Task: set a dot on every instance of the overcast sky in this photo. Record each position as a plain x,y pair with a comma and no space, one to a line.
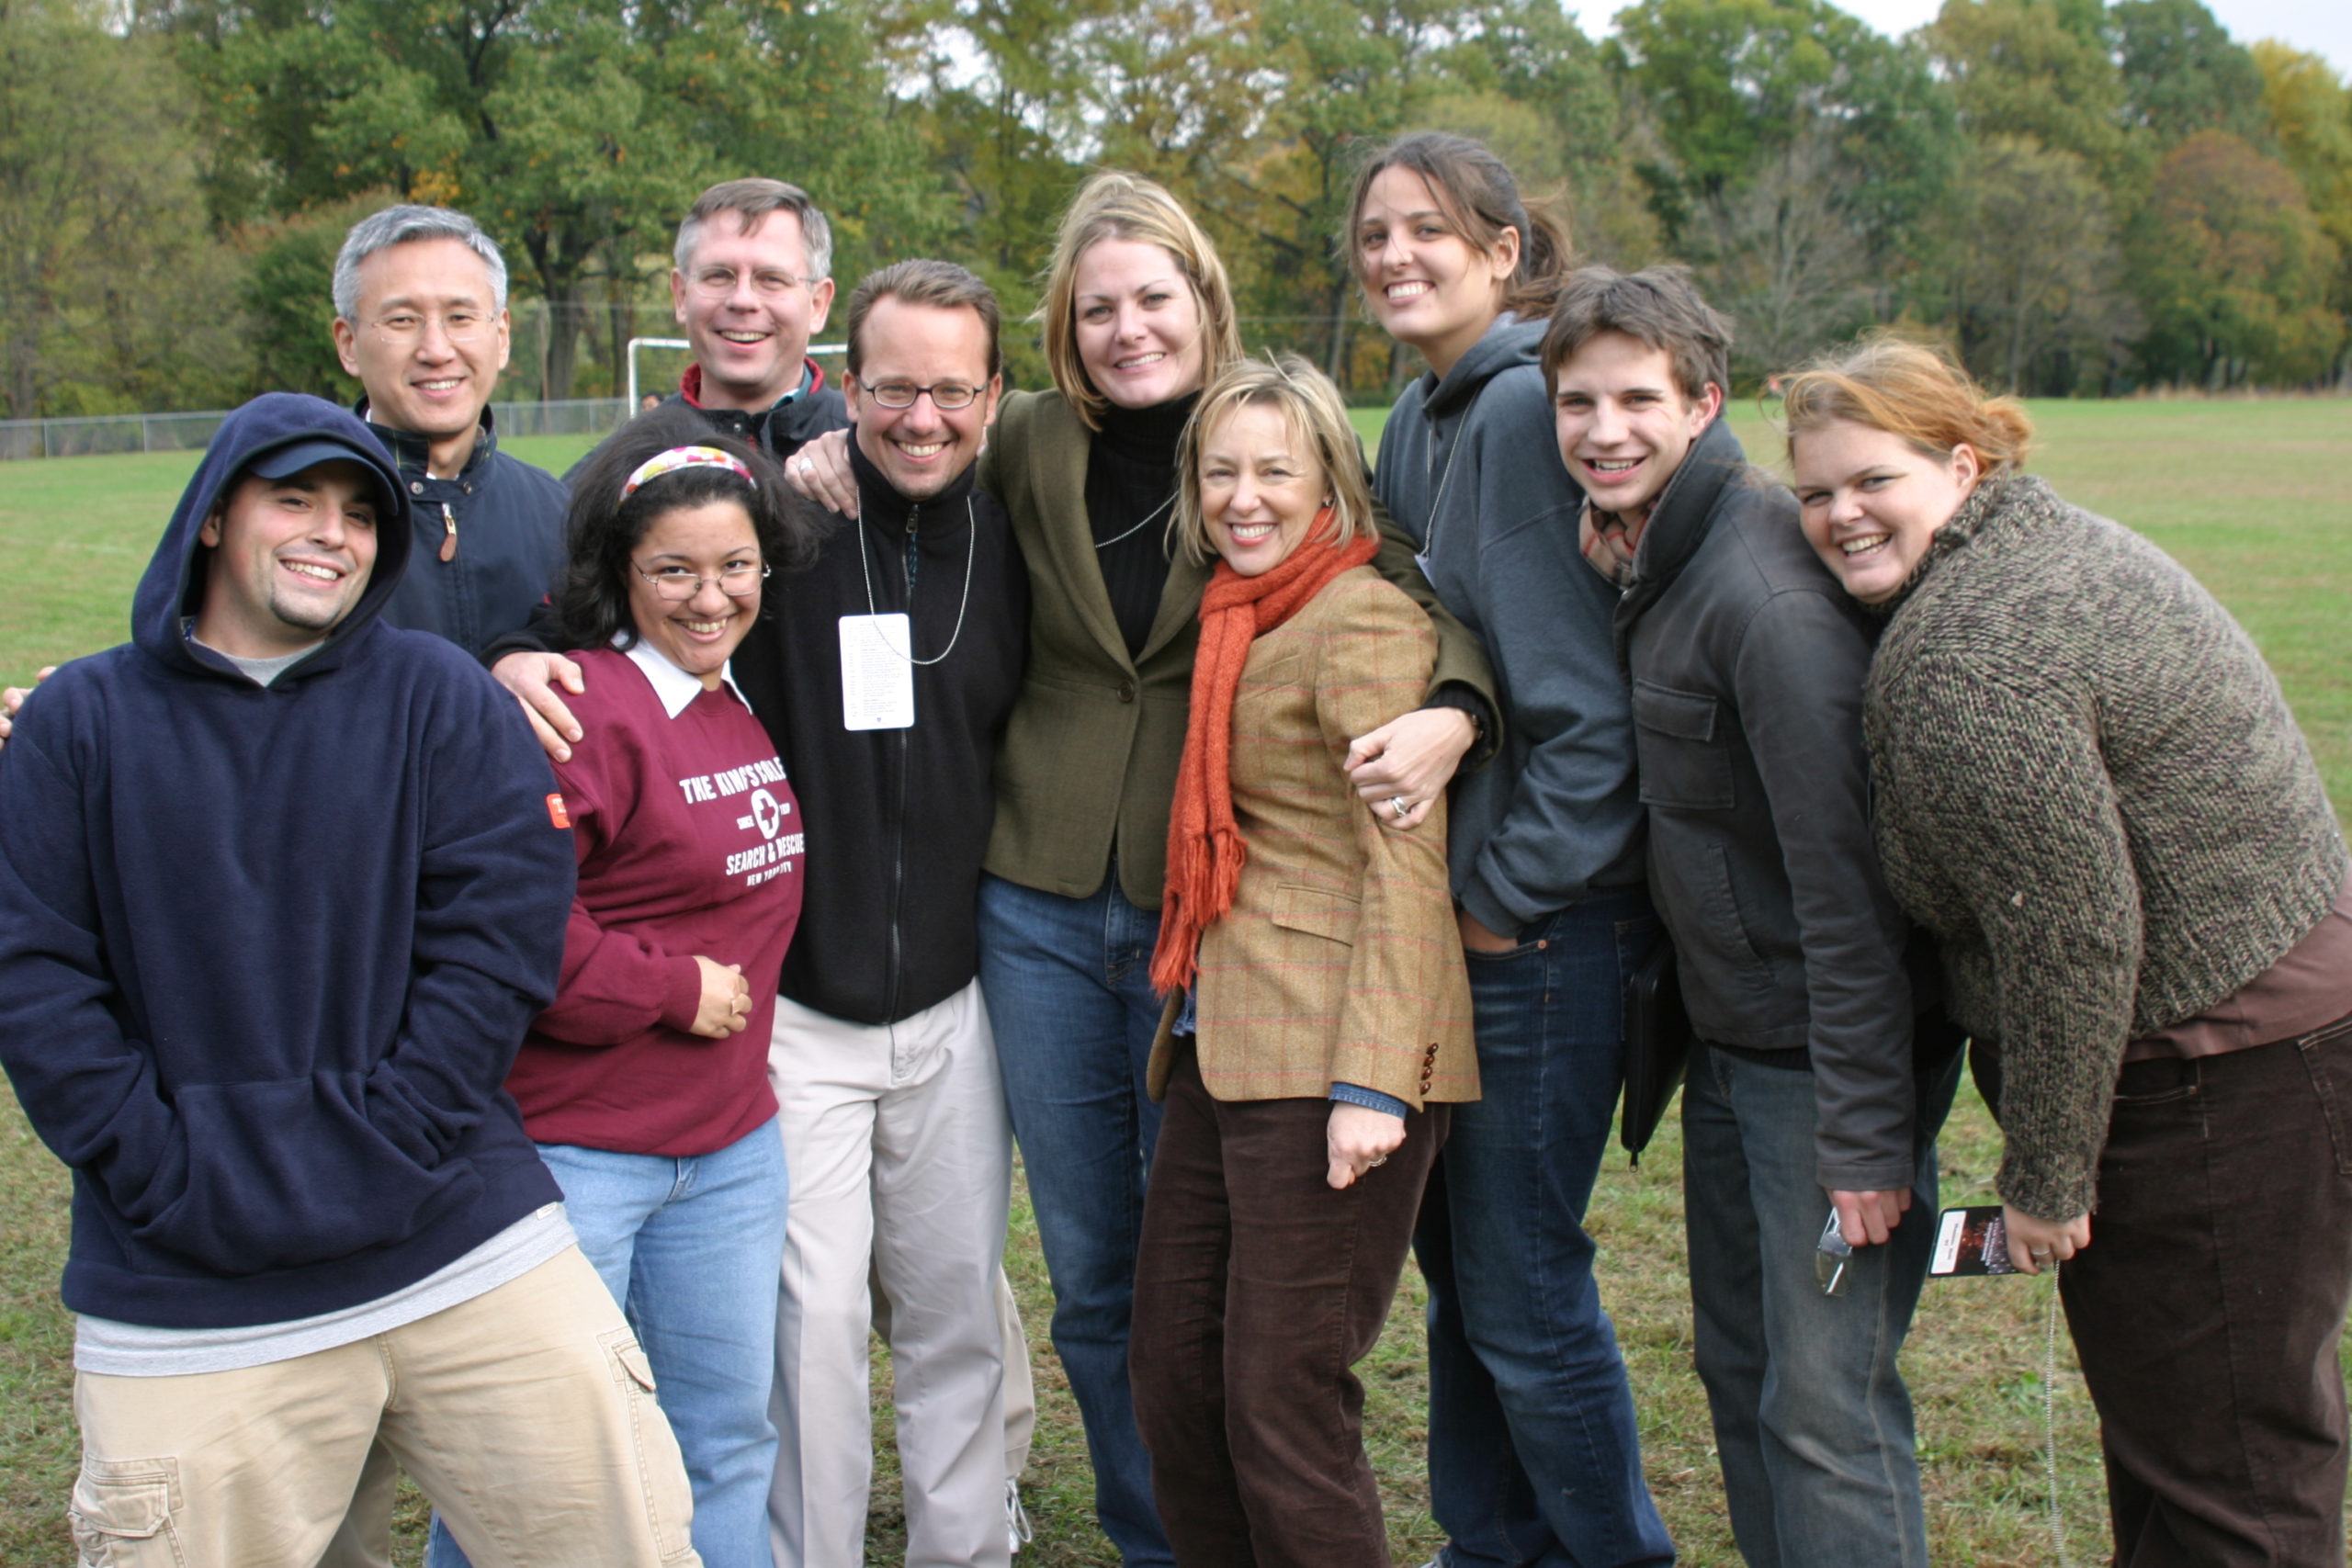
2321,27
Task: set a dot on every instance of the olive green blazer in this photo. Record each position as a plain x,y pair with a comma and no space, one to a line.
1088,762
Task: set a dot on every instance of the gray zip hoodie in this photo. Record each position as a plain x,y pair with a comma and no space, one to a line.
1470,467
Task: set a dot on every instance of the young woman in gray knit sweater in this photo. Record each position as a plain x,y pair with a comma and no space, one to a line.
2090,789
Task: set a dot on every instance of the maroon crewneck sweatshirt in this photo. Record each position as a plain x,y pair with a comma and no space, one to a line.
689,843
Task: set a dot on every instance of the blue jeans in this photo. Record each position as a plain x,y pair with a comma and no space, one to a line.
1813,1424
1069,995
1534,1456
690,1248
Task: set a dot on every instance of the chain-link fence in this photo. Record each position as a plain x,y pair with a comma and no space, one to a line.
101,435
658,366
106,433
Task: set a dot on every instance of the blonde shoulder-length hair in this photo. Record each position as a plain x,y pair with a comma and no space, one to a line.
1313,409
1114,205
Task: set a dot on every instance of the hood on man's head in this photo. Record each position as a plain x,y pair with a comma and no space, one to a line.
276,435
285,462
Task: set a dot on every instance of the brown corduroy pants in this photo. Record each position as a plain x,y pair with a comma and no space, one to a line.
1258,1287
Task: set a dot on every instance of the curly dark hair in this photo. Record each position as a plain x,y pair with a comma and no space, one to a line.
602,530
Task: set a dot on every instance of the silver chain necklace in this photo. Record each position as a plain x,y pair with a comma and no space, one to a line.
971,553
1106,543
1460,433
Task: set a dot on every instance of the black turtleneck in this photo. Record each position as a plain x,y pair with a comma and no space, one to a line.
1130,495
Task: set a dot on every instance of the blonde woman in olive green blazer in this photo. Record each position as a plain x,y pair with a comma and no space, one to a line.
1088,763
1137,317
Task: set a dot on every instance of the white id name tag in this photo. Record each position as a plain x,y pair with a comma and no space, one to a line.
877,681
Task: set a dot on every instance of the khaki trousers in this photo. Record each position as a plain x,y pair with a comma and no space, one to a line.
526,1415
901,1164
1020,1389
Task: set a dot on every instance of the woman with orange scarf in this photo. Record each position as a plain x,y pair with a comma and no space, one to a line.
1305,1086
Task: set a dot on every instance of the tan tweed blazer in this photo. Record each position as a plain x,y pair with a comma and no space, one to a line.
1340,961
1088,762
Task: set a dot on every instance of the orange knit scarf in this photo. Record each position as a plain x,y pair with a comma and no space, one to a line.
1204,848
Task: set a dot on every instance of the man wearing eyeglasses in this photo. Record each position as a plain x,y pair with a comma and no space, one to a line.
896,663
420,318
886,672
754,282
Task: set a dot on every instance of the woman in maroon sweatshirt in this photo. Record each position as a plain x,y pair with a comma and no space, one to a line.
645,1086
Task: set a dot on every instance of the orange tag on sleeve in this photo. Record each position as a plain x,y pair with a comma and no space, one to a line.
556,813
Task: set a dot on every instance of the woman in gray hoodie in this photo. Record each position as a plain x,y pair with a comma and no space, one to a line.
1533,1451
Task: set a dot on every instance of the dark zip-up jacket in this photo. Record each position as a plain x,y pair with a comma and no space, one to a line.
784,427
898,820
506,518
1747,660
266,953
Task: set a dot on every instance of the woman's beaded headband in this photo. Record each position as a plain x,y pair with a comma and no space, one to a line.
678,458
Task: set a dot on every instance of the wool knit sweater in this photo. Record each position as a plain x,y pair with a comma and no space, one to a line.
2090,789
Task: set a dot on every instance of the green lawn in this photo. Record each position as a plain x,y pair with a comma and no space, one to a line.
2254,524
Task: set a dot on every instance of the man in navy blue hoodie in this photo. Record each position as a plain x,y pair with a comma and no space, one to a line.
279,890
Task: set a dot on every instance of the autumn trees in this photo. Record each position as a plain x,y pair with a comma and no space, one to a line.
2080,197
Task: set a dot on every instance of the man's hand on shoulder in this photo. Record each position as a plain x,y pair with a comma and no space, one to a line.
533,678
820,471
14,698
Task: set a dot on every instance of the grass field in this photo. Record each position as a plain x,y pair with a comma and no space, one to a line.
2244,494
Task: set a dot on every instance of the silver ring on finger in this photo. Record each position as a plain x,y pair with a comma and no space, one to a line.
1401,806
1376,1159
